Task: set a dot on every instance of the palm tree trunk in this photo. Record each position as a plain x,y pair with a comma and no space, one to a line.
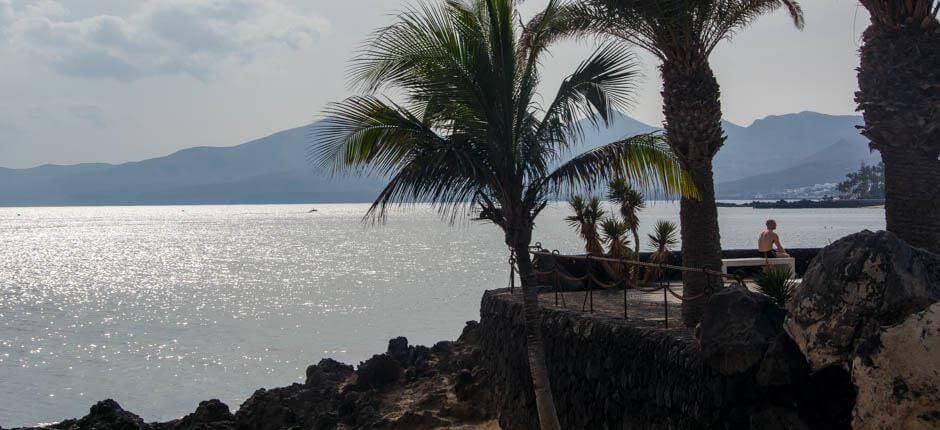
636,244
693,129
899,95
535,347
912,196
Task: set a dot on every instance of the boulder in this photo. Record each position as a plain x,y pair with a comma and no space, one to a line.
737,328
378,371
327,373
853,288
899,381
868,305
398,349
105,415
209,415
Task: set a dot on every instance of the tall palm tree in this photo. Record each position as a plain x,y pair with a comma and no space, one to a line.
467,130
587,215
899,96
630,202
682,34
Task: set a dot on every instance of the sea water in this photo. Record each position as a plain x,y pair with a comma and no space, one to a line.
162,307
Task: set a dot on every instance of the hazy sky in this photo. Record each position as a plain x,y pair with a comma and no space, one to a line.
122,80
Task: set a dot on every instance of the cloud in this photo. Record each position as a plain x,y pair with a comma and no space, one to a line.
90,114
6,16
199,38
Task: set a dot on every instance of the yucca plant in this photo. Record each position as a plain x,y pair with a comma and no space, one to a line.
776,282
615,235
466,130
587,215
661,240
682,34
899,96
630,202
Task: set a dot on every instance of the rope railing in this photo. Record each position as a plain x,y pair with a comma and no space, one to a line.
626,281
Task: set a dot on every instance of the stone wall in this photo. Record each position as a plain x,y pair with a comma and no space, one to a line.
803,257
605,374
613,373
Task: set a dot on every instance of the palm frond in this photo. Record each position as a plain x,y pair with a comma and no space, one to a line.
601,86
644,160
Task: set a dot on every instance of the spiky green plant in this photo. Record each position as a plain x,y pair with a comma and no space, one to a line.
467,129
630,202
662,239
587,215
776,282
615,235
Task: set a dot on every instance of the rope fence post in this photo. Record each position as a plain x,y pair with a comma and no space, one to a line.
662,276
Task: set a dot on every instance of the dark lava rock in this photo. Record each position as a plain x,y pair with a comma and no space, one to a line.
336,395
868,305
105,415
853,288
777,419
737,328
398,349
296,405
209,415
378,371
328,372
783,364
471,333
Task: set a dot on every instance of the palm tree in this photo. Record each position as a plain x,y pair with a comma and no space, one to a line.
682,34
662,239
587,214
467,131
631,202
899,95
615,232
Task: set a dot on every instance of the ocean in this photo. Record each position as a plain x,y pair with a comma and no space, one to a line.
160,307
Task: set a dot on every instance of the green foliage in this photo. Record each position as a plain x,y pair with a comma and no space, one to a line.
630,201
587,215
469,130
776,282
673,30
866,183
665,235
614,230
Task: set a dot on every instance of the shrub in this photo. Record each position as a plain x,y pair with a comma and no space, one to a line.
776,282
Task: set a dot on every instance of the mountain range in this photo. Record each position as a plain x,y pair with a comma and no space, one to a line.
771,155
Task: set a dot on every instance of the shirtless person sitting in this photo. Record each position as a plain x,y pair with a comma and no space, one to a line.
768,240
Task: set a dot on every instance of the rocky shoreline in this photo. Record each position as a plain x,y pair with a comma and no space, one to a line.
407,387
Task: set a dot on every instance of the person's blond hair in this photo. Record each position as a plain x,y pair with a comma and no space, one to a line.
771,223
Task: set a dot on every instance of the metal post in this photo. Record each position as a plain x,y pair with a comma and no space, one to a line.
662,275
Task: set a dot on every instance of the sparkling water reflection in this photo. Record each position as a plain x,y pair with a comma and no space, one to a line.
161,307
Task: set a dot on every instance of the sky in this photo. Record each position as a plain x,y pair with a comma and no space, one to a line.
124,80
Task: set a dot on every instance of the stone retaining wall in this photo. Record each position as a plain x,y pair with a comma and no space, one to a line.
606,373
611,373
